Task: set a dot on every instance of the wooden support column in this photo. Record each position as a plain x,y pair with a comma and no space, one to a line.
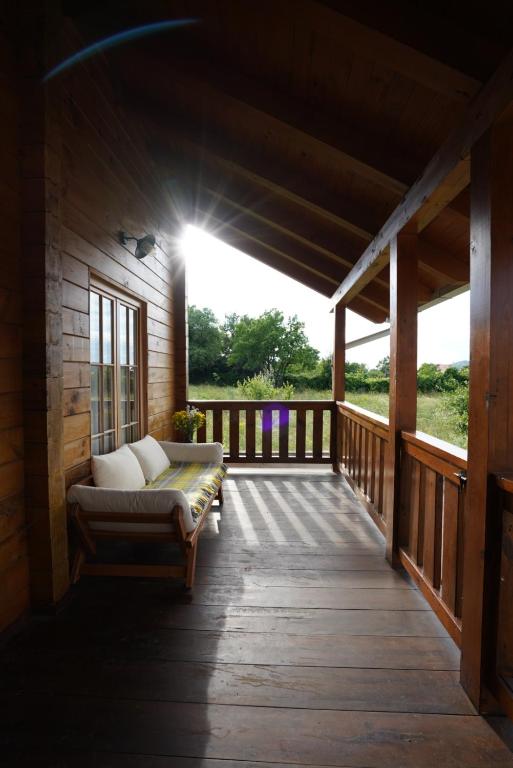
181,332
339,353
41,153
403,372
490,443
339,378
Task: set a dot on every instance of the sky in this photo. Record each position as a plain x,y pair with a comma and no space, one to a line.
226,280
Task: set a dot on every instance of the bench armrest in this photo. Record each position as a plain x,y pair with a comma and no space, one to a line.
92,499
199,453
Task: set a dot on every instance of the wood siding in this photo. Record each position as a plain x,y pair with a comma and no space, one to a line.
14,578
109,185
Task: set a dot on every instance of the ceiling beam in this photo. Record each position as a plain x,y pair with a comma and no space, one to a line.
491,101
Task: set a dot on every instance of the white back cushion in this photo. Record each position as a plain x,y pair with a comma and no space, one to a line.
119,469
150,456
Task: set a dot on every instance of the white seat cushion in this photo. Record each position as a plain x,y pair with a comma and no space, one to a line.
119,469
150,456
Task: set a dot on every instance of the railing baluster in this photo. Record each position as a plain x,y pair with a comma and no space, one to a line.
450,544
317,433
234,432
372,493
284,418
365,461
301,434
267,433
218,424
429,524
250,434
413,527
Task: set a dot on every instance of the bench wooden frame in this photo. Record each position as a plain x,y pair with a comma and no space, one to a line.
188,542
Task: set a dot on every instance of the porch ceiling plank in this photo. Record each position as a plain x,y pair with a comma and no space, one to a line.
228,161
319,133
441,262
409,62
481,113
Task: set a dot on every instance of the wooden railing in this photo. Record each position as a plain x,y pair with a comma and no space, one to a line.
265,432
363,438
432,503
501,676
431,523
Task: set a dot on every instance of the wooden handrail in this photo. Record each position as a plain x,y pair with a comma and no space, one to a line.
505,482
439,448
374,418
241,405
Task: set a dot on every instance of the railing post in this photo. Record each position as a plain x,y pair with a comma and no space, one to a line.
403,373
490,446
339,378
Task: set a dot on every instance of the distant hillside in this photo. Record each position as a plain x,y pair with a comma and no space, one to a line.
460,364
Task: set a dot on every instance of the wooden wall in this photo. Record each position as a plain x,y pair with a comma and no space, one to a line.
109,185
14,579
76,172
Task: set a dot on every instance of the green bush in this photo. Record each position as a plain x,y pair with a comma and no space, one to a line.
262,387
456,402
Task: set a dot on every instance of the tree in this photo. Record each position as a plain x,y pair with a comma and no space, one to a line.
384,366
269,343
206,344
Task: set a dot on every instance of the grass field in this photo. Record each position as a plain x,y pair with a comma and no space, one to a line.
432,415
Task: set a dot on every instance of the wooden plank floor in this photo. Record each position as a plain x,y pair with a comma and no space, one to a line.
299,646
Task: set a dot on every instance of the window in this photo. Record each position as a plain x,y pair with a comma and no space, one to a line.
115,338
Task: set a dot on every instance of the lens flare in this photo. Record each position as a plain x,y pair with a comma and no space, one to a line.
118,39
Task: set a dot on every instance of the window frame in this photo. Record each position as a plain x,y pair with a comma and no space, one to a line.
102,287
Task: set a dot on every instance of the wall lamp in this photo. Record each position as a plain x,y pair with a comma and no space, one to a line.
144,246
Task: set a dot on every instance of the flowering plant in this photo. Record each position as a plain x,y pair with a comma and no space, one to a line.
188,421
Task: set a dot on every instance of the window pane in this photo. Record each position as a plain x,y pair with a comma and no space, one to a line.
95,399
94,321
125,436
108,443
132,345
107,330
123,396
135,432
108,413
95,446
133,394
123,340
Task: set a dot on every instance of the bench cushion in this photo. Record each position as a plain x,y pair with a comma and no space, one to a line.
199,482
150,456
119,469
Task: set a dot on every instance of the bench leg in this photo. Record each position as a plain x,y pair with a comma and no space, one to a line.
190,566
220,496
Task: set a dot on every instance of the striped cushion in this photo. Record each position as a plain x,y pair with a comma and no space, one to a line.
199,482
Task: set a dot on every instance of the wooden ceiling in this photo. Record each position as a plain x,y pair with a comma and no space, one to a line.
291,129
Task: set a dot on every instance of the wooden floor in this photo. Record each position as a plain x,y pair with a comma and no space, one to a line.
299,646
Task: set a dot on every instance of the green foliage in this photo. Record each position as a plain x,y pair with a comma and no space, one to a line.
262,387
317,378
270,343
456,402
205,344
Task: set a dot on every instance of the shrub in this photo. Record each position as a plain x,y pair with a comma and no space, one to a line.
262,387
456,403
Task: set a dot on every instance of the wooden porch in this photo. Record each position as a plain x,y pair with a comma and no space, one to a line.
299,646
